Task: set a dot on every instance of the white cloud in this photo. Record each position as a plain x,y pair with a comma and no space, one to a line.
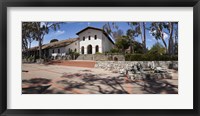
59,32
165,35
55,34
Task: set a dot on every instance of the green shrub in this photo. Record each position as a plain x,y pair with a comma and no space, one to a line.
98,53
157,48
76,54
150,57
31,58
114,50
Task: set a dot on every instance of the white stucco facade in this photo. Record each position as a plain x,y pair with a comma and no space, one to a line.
74,46
98,41
90,41
56,50
85,41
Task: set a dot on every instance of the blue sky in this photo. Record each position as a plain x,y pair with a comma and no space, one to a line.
69,29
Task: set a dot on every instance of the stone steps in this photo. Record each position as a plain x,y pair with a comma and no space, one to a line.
85,57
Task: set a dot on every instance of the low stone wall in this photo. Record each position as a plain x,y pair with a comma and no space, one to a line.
118,65
101,57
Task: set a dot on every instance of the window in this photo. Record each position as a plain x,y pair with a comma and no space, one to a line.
58,50
83,38
53,51
89,37
75,50
95,37
69,50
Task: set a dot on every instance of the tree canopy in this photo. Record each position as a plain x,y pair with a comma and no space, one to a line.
37,31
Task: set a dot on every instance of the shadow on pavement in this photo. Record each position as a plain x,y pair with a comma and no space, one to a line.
94,83
35,85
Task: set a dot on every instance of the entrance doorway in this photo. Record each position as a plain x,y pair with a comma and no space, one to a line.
82,50
89,49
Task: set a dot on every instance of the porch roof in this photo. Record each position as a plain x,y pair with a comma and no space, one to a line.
56,44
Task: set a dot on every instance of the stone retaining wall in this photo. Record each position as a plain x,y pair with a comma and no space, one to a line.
118,65
101,57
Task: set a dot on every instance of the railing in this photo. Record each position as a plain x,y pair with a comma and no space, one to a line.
54,55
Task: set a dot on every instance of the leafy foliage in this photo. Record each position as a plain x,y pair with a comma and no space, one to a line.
111,29
138,28
150,57
114,50
53,40
130,34
157,49
37,30
122,44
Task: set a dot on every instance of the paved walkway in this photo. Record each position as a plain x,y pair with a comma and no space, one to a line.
58,79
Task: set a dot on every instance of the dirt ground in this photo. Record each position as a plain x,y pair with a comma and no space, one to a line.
82,78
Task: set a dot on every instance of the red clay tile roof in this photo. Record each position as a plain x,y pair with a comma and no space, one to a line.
55,44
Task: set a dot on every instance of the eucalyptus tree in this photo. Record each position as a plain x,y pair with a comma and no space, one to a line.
139,29
176,41
158,30
130,36
43,28
24,42
26,36
40,29
172,26
118,34
122,43
112,29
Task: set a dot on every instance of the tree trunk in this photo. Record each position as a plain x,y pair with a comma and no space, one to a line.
29,52
171,42
164,44
132,48
141,32
40,48
163,40
144,38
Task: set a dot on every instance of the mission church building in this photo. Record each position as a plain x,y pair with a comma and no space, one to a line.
90,40
93,40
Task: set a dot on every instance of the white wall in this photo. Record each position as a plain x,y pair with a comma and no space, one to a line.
92,41
62,50
72,46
